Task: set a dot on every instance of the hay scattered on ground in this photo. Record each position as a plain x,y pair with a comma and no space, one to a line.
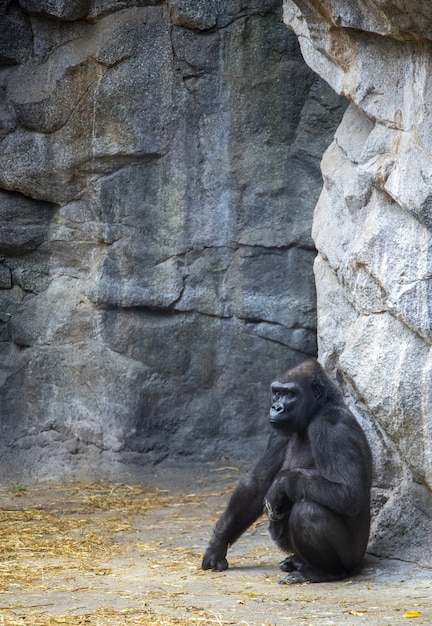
51,536
104,616
75,530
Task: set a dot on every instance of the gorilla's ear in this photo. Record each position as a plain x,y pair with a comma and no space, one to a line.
319,388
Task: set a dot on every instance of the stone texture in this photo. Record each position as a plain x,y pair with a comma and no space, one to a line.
159,163
372,229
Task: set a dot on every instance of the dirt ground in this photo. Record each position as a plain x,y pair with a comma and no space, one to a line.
114,554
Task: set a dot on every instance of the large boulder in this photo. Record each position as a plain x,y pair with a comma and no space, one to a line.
372,228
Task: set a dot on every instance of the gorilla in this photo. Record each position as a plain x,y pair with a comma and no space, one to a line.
313,482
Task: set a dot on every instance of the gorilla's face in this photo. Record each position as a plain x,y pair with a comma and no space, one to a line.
292,405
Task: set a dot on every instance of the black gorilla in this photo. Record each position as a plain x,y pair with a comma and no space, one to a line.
313,481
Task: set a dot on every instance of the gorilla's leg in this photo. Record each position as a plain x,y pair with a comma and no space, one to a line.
280,533
324,548
280,528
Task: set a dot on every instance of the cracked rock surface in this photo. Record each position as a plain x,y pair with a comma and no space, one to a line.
159,165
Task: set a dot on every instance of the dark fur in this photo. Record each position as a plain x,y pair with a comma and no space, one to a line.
314,482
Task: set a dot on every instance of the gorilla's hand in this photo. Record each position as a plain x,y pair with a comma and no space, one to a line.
275,502
280,497
215,560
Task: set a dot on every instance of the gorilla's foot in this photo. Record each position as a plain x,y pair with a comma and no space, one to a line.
290,564
306,574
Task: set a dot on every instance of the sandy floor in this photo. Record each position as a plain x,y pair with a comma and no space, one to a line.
113,554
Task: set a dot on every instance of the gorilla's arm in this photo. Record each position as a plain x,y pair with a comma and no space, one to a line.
342,478
245,505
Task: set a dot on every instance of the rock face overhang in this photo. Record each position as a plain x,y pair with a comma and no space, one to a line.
372,228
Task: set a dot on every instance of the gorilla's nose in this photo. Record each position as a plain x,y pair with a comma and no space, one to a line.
278,407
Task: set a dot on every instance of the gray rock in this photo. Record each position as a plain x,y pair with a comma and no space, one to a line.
63,9
159,168
24,223
16,39
372,229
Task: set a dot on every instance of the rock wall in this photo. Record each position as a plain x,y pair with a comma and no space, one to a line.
372,228
159,164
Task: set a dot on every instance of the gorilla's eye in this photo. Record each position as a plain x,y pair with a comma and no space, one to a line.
276,395
290,394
